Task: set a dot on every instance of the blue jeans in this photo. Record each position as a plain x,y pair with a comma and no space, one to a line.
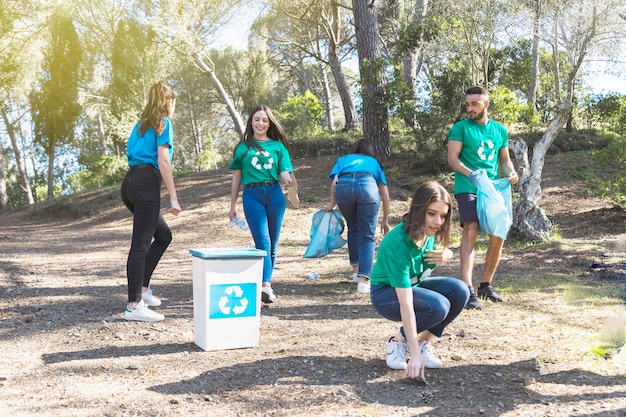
264,208
436,301
141,193
358,200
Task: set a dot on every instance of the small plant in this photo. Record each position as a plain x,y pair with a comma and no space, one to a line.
312,198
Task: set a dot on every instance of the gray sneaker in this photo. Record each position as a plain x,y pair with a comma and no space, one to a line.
396,354
267,295
141,312
428,356
150,299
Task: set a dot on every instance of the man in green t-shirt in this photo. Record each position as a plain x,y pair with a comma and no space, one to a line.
478,143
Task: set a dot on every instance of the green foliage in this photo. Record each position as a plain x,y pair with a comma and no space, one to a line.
211,158
55,108
513,64
530,117
129,56
609,176
54,103
504,105
103,172
300,116
608,111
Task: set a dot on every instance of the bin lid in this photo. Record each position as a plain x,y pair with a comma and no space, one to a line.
222,253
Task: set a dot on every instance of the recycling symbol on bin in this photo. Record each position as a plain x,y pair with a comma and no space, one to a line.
233,302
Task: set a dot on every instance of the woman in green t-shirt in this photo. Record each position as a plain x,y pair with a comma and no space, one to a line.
401,286
261,162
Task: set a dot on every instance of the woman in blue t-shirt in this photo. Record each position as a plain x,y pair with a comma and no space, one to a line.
150,149
358,187
402,289
261,162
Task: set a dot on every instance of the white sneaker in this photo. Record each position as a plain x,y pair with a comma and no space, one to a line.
396,354
355,278
141,312
363,288
150,299
428,356
267,295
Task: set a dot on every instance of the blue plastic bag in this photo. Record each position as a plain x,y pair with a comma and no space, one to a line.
493,204
326,230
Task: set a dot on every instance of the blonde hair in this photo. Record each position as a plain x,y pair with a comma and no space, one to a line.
157,109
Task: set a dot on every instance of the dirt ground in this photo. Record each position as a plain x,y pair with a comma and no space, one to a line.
67,351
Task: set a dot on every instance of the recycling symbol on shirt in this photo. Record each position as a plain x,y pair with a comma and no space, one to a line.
486,150
233,302
262,160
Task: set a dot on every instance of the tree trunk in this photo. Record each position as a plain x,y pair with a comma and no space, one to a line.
534,69
21,171
4,197
349,110
50,153
412,62
375,116
328,103
234,114
102,134
528,218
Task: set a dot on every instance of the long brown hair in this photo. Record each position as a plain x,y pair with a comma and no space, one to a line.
275,130
157,109
364,147
425,194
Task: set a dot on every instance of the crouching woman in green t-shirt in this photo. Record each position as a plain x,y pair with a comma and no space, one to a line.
401,286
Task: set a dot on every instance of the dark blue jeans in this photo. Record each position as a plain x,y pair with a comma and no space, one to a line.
358,200
436,301
141,193
264,208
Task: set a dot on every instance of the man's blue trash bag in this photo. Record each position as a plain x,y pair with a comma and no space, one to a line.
326,230
493,204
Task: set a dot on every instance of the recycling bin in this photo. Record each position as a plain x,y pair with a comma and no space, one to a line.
227,297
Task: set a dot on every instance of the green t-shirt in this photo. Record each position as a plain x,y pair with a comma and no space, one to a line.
399,261
261,166
481,144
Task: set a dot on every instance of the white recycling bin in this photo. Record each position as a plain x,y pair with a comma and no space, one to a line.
227,297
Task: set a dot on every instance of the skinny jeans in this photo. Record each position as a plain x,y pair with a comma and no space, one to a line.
141,193
436,301
358,199
264,207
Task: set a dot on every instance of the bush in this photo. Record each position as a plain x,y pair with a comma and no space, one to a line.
300,116
505,106
105,171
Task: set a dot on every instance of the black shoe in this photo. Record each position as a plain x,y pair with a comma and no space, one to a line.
488,293
473,303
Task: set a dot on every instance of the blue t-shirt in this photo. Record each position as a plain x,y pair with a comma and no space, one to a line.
143,149
356,162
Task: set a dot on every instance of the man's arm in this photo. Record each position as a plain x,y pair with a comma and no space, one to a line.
454,150
507,169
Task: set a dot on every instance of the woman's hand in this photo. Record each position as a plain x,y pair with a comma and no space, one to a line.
329,207
175,207
438,256
415,367
384,228
285,179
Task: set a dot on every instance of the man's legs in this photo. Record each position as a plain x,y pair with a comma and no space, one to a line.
492,259
466,254
466,251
